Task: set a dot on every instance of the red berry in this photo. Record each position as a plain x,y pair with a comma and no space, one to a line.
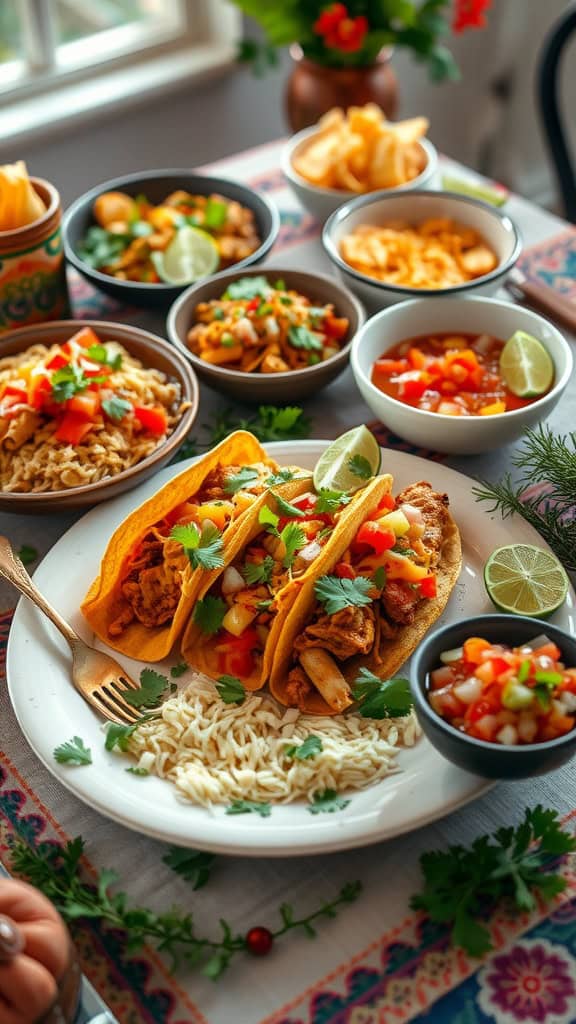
259,941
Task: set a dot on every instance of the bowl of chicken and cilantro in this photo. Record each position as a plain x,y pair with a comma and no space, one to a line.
272,334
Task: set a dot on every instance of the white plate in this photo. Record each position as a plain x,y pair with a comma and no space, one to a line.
49,710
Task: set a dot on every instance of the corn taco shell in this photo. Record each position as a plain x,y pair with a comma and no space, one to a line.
302,657
168,591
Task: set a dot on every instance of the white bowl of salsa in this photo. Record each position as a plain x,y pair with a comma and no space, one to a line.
429,372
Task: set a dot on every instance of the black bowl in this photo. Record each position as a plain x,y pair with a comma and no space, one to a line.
492,760
156,185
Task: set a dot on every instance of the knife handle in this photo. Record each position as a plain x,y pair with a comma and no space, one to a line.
545,299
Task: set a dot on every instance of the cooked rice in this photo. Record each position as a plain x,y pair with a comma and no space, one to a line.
215,752
32,460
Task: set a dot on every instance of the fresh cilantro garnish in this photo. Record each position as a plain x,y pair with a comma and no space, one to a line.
249,807
286,509
100,354
301,337
204,549
119,735
380,578
27,554
230,690
209,613
215,213
266,517
270,423
116,408
317,315
243,478
178,670
360,466
100,248
400,549
462,885
68,381
258,572
263,606
248,288
280,285
293,538
73,752
153,687
283,476
327,802
311,746
325,532
135,770
335,593
192,865
381,698
330,501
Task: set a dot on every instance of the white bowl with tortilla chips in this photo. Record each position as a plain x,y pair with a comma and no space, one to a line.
344,156
423,272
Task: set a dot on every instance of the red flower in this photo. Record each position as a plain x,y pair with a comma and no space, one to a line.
340,31
469,14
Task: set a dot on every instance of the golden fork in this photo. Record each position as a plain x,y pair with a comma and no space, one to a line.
97,677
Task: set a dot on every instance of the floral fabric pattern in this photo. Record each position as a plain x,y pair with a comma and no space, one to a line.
534,981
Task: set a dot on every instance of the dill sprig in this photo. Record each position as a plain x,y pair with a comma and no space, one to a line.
548,458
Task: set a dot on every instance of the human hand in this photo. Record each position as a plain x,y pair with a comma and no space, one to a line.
29,979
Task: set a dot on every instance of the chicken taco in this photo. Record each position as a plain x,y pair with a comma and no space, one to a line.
238,619
380,585
159,557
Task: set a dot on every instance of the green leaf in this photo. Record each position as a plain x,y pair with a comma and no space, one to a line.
117,408
327,802
250,807
311,746
248,288
178,670
230,690
27,554
380,578
293,538
73,752
101,354
301,337
283,476
204,549
135,770
268,518
381,698
241,480
67,382
192,865
118,736
216,965
209,613
258,572
336,594
360,466
286,509
153,687
442,65
330,501
215,214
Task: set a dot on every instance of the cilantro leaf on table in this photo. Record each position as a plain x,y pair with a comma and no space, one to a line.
311,746
335,593
381,698
293,538
302,337
153,687
250,807
326,802
192,865
270,423
116,408
245,476
209,613
100,354
359,466
73,752
286,509
331,501
258,572
27,554
248,288
230,690
464,884
178,670
203,548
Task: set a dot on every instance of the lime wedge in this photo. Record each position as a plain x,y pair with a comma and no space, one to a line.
494,196
191,255
525,580
349,462
526,366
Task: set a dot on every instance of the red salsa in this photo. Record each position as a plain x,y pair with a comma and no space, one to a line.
452,374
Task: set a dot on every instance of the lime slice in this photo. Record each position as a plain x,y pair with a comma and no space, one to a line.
494,196
526,366
525,580
349,462
192,254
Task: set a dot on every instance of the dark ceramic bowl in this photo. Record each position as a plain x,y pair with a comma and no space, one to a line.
156,185
153,353
268,387
492,760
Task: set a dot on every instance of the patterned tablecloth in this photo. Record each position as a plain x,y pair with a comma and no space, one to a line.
377,963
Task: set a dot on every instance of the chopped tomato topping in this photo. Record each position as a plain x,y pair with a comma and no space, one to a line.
85,338
154,419
345,571
428,586
85,405
335,327
73,428
375,536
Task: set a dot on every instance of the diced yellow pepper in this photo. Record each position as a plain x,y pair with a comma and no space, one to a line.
398,567
493,409
218,512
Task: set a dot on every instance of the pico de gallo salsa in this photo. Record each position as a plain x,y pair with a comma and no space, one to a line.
451,374
506,695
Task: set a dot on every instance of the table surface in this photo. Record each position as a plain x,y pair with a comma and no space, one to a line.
349,975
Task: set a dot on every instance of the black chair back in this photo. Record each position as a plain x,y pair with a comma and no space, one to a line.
548,83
